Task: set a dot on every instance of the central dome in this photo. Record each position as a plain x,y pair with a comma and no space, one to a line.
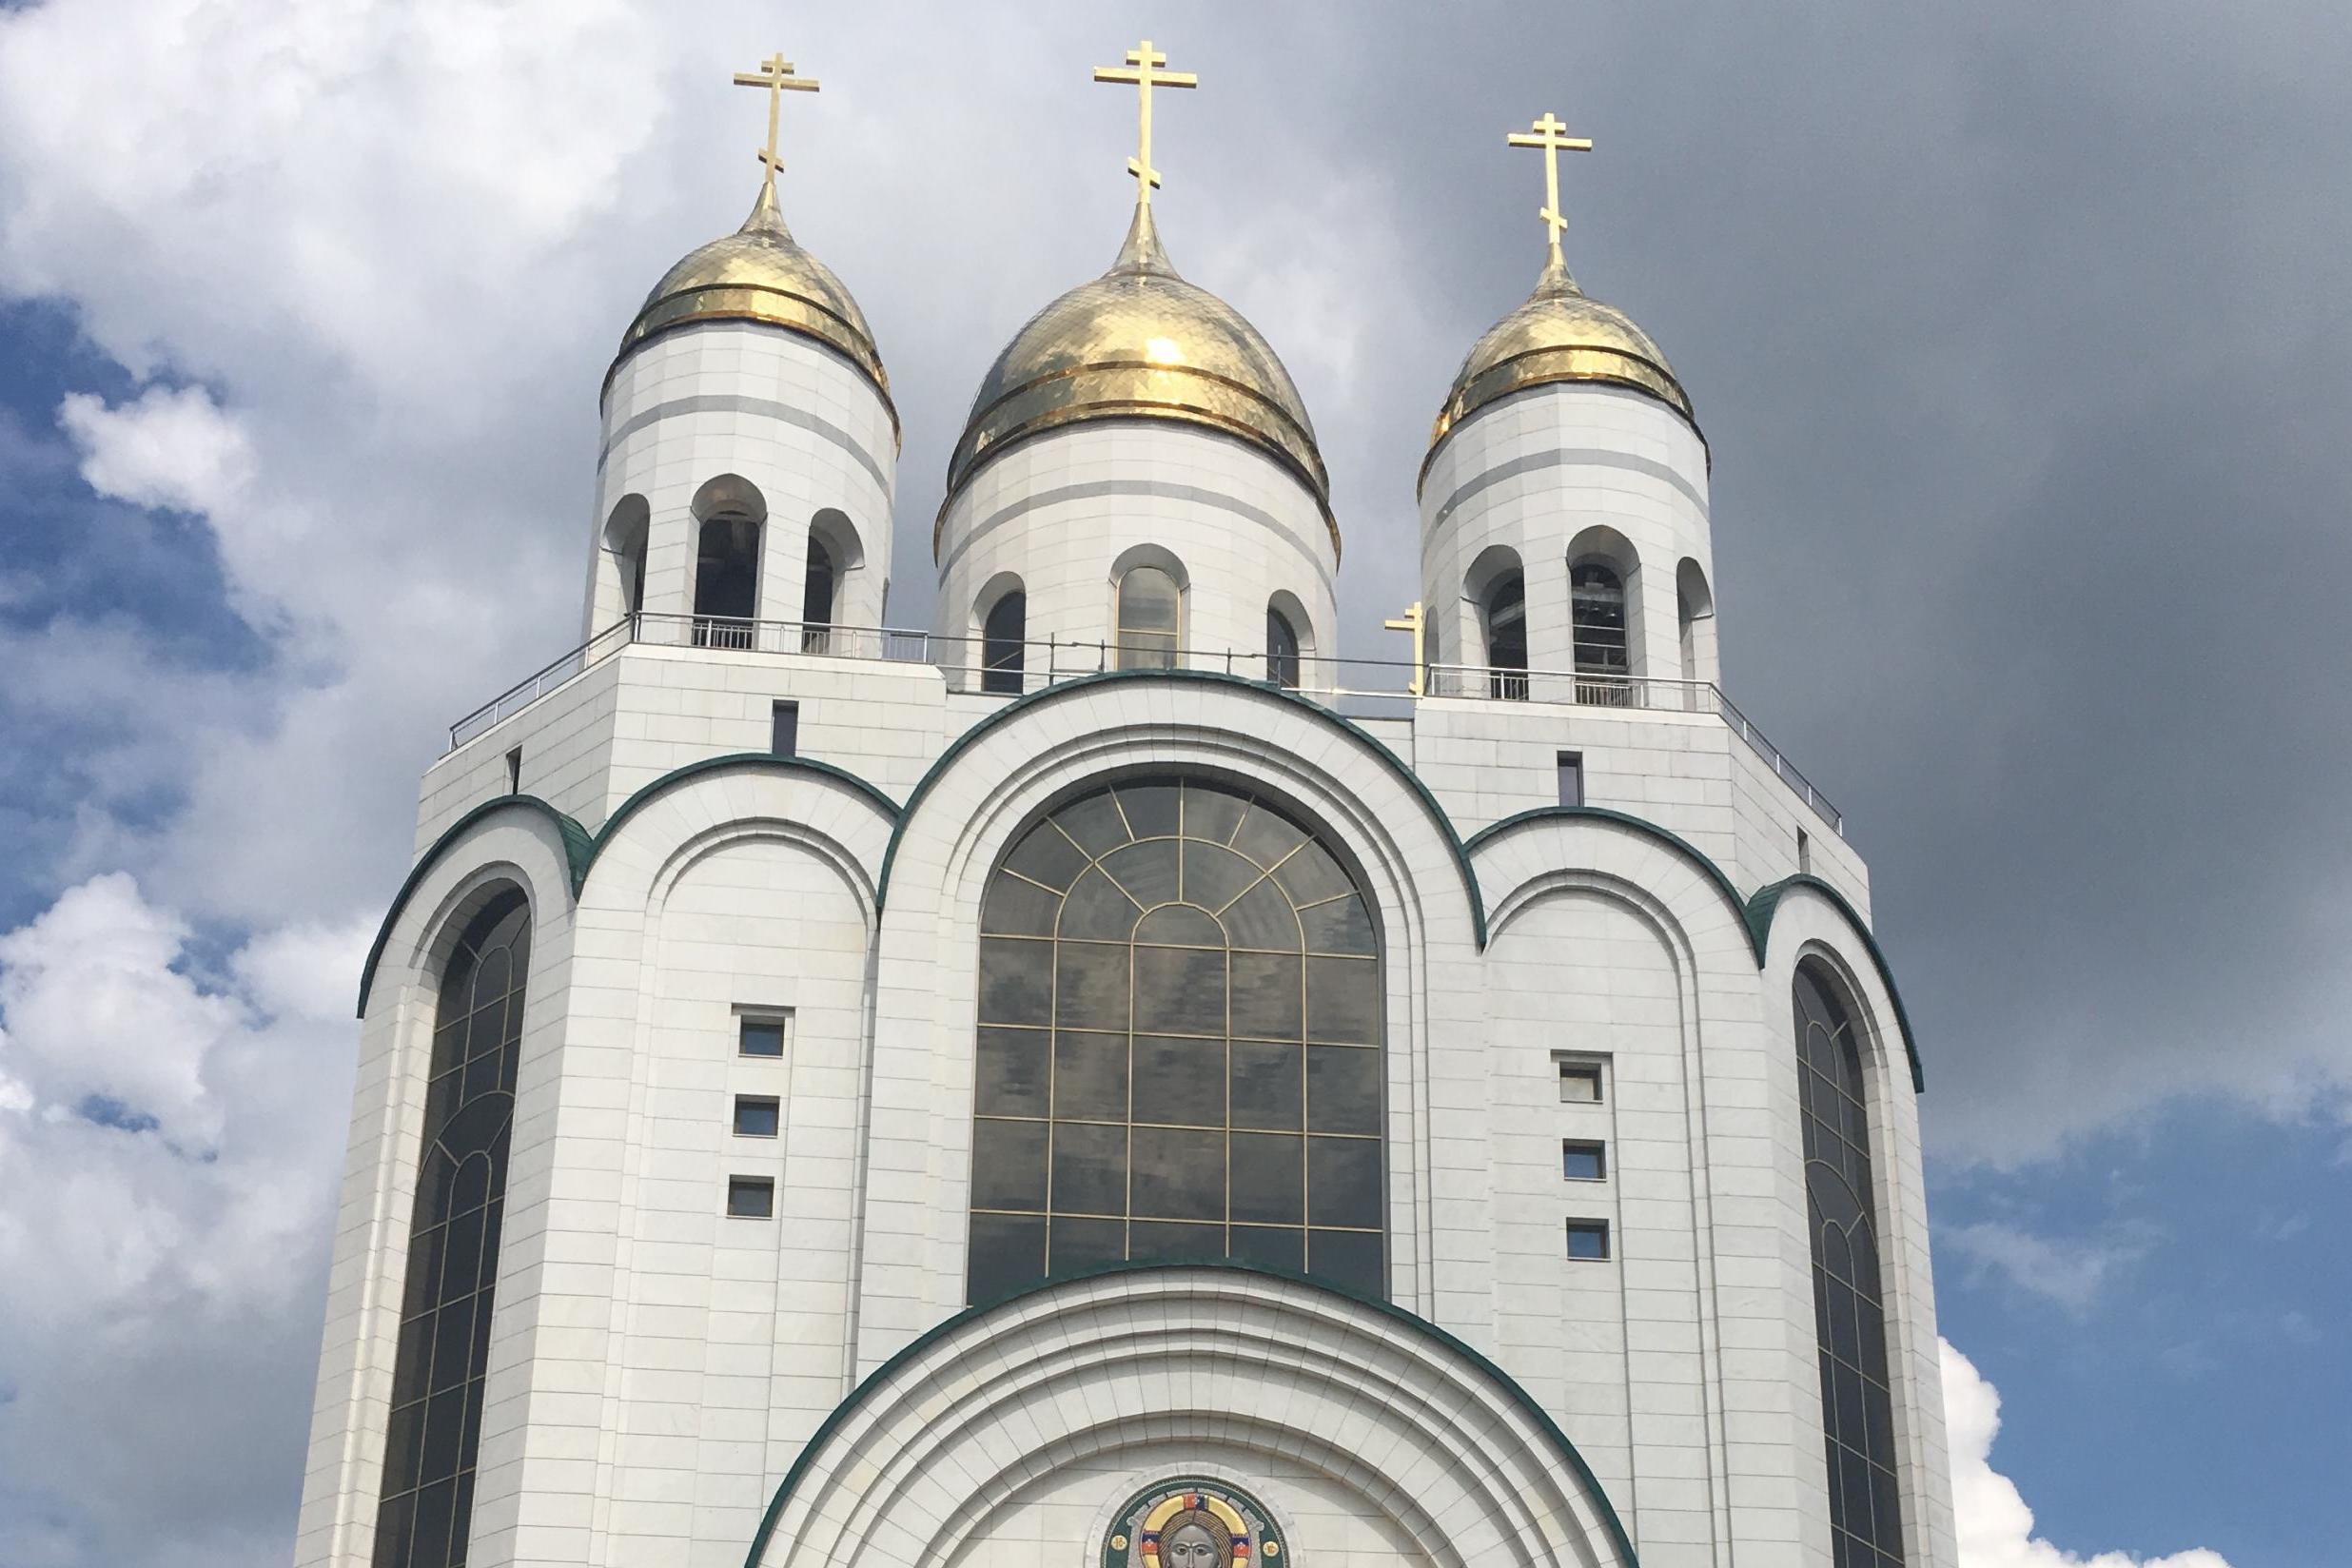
1140,342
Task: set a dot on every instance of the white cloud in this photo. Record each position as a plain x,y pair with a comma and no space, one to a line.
2071,1272
172,448
1995,1526
174,1267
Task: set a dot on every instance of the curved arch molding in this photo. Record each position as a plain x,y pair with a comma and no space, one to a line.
1759,912
1755,913
581,847
1370,742
1510,1487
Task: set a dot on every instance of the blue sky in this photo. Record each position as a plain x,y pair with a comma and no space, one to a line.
2022,342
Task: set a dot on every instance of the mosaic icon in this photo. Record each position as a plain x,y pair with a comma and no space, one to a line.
1192,1523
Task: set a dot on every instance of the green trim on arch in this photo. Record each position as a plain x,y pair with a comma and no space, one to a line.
1767,903
1756,914
1508,1385
579,850
760,761
581,847
1212,678
1641,825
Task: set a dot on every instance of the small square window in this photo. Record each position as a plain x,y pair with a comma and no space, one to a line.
761,1037
751,1196
1571,769
784,729
1579,1083
755,1116
1580,1160
1588,1241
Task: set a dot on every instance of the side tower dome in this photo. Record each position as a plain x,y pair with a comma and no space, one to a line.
751,452
1565,547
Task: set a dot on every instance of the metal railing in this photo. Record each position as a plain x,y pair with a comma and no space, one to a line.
1002,668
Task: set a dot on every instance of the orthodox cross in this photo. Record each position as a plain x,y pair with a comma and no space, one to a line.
1143,71
1545,133
775,74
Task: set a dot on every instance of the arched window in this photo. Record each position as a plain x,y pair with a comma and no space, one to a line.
726,581
625,538
817,598
1282,650
1001,638
1849,1319
1596,618
453,1244
1151,618
1506,636
1180,1045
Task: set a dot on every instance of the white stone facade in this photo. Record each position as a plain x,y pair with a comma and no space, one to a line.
1062,515
673,1386
814,447
1561,473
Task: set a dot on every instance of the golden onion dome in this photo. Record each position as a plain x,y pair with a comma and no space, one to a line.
1558,335
1140,342
760,273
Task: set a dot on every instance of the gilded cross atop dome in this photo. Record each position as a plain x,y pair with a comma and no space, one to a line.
1549,133
1143,71
775,74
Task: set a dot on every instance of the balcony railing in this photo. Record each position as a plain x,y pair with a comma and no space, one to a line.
991,667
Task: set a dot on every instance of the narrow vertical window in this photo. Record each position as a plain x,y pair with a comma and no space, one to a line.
1596,614
514,771
784,730
1850,1322
1804,851
1002,640
817,599
1506,637
434,1428
1151,618
726,581
1282,650
1570,768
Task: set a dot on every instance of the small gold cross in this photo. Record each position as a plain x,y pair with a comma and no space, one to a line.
1146,75
775,74
1545,133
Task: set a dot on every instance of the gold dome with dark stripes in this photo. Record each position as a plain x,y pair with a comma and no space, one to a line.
1140,342
760,273
1558,335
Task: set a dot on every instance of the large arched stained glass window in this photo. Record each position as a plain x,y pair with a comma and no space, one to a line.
453,1249
1849,1319
1179,1048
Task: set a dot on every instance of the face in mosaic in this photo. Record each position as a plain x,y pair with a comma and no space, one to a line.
1192,1524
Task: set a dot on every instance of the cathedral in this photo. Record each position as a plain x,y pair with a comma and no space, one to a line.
1104,1082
